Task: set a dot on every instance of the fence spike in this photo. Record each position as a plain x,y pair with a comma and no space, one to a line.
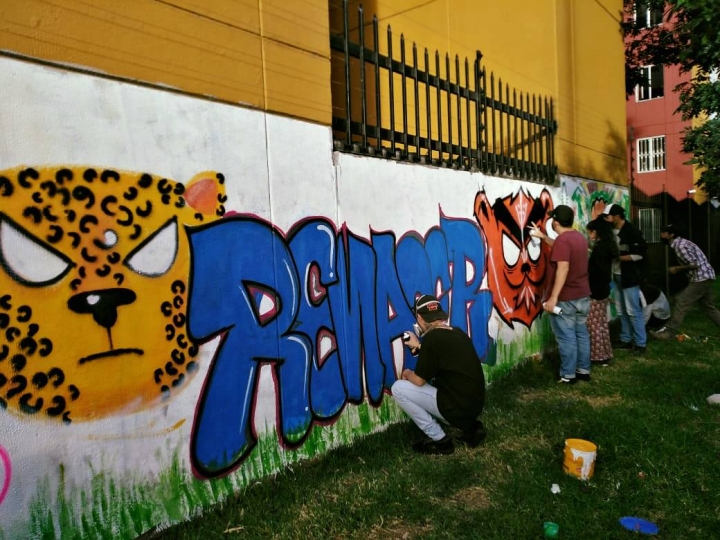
501,112
403,80
508,158
391,89
428,139
439,106
494,108
363,89
348,82
459,110
516,170
378,103
449,108
416,87
467,115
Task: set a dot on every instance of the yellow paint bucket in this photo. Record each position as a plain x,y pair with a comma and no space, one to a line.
579,458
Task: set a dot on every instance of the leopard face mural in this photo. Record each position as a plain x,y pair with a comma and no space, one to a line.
516,262
93,288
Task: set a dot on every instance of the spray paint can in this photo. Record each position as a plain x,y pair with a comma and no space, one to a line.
557,310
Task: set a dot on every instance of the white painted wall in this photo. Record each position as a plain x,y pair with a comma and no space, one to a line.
277,169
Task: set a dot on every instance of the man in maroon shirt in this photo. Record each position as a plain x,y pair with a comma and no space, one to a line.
568,302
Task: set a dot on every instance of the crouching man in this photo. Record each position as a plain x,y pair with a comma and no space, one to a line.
448,384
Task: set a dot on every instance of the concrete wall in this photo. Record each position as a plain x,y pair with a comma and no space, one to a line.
194,295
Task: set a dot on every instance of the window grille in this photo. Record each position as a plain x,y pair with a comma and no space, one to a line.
649,223
651,154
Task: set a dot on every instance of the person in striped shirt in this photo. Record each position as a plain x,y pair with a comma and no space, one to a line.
700,287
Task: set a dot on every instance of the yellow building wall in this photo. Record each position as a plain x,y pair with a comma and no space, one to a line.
269,54
274,54
593,142
566,50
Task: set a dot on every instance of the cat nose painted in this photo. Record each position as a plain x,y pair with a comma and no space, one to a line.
102,305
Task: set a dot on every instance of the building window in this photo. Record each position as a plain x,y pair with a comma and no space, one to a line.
652,85
649,220
646,17
651,154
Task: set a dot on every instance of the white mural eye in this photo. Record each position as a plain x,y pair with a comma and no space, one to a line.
156,255
27,259
549,230
511,251
534,247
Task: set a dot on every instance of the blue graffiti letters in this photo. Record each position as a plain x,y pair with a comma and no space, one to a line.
323,309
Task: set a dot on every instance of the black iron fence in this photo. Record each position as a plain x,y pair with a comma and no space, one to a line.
462,118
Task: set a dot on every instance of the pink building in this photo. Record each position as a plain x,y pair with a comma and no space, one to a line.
655,156
662,185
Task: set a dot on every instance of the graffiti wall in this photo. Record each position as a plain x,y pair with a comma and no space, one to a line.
195,295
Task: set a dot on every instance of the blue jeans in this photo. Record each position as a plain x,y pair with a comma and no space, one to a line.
629,308
572,336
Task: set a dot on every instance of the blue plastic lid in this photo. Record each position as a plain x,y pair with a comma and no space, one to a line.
639,525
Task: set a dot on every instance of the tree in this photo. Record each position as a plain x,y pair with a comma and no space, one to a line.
689,38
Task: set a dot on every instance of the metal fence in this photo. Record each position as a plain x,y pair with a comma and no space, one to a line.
463,118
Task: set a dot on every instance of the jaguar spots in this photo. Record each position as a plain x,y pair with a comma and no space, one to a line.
93,288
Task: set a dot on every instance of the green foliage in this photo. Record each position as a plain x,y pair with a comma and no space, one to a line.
689,38
704,143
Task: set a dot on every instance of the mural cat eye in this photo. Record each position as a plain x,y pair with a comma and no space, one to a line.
28,259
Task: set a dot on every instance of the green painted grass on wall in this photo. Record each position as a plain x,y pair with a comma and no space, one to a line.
126,506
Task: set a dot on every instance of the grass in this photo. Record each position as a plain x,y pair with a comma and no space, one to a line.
658,449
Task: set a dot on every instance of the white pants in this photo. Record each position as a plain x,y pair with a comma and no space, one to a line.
420,404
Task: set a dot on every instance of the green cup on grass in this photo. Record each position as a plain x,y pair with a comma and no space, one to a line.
551,529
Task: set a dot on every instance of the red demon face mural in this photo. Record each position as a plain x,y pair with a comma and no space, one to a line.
516,262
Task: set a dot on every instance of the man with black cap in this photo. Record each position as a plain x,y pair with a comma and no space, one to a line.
568,302
627,276
447,359
700,287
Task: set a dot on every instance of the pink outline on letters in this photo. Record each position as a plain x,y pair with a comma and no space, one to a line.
5,458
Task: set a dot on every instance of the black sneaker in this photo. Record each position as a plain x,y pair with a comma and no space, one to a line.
639,350
428,446
567,380
623,345
582,377
474,436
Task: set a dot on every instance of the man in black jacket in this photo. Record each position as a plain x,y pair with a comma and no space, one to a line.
627,276
447,359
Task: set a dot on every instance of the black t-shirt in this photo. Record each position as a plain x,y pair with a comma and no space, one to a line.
449,362
600,269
